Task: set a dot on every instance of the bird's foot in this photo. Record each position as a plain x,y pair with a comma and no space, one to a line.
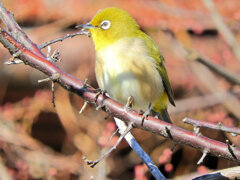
146,113
129,103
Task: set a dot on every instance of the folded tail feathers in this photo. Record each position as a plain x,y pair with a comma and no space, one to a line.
163,115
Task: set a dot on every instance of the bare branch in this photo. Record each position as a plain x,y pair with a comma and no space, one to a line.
228,75
14,29
211,125
222,27
61,39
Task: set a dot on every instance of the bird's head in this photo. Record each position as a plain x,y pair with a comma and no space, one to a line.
109,25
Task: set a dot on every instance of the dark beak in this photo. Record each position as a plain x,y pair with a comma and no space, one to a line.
85,26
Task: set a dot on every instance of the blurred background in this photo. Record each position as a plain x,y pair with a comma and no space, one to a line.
38,141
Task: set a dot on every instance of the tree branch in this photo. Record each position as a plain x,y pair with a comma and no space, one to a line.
218,69
211,125
72,84
14,29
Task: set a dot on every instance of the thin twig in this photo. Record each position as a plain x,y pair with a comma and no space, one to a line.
211,125
62,38
222,27
93,163
228,75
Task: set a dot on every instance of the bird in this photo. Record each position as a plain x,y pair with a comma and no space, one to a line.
129,63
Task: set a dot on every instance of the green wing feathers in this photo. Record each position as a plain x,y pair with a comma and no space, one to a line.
155,53
163,73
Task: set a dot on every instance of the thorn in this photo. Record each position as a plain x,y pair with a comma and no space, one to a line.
168,128
219,124
196,129
13,59
54,77
44,80
85,85
205,152
83,107
185,119
231,149
10,62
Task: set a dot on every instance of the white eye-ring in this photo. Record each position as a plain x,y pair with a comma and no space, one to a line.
105,24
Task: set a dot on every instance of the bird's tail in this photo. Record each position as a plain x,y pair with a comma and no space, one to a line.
163,115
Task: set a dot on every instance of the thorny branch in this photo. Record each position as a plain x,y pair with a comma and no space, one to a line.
34,58
15,31
211,125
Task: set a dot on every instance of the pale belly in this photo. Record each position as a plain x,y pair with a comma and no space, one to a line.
125,72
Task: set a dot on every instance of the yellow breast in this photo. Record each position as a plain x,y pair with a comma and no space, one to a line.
125,69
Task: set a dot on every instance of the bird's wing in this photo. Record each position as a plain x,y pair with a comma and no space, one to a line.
163,73
155,53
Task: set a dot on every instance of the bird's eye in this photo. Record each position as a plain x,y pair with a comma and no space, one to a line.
105,24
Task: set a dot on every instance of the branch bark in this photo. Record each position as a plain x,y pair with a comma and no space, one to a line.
211,125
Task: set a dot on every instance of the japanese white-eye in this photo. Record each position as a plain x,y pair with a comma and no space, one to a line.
128,62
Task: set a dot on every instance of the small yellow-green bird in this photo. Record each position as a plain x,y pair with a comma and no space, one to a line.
129,63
